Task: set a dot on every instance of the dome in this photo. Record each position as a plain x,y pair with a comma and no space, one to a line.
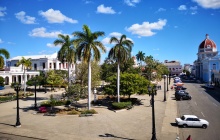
208,44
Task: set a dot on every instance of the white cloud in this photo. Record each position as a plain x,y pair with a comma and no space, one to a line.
161,10
105,10
193,10
1,40
52,45
2,11
116,34
145,29
213,4
25,19
55,16
131,2
41,32
106,40
182,7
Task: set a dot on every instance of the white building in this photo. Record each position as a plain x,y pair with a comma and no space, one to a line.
174,67
13,73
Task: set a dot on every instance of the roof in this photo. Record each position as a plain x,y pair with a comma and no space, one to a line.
207,43
191,116
35,56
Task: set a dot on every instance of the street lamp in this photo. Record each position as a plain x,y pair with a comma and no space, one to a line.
35,95
95,91
45,80
152,92
17,88
167,82
169,78
164,77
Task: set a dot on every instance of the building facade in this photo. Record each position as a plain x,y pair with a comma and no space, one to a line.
207,65
174,67
13,73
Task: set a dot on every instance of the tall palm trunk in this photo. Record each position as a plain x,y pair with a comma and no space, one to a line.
68,74
118,82
24,83
89,85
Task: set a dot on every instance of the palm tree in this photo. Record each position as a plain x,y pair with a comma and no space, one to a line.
88,49
120,52
67,52
26,64
6,54
140,56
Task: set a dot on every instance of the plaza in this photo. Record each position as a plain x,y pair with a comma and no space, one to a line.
133,124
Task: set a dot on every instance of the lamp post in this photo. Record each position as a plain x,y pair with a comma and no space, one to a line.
167,82
169,78
95,91
152,92
35,95
45,81
17,88
164,77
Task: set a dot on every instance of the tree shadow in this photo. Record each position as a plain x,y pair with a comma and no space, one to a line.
113,136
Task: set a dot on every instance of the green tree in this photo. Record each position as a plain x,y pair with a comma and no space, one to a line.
6,54
154,69
108,68
67,53
26,64
2,80
130,84
54,79
88,49
120,52
140,57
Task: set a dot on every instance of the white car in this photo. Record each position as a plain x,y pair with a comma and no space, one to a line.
191,121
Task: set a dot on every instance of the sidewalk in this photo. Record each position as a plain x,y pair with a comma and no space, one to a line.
134,124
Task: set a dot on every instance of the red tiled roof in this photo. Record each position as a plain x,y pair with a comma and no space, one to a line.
207,42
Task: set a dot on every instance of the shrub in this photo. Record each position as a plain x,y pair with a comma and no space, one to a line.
46,104
120,105
73,112
91,111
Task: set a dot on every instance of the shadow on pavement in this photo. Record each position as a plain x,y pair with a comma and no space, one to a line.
7,124
113,136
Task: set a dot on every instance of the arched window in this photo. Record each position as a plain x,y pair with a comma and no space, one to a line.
214,66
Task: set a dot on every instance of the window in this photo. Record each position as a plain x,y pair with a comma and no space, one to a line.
35,66
214,66
43,65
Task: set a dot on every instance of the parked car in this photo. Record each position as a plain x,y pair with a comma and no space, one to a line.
209,86
1,88
180,88
191,121
182,95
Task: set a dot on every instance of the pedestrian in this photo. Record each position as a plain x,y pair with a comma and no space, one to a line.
189,138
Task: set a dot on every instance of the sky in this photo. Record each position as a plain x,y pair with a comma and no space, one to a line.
166,29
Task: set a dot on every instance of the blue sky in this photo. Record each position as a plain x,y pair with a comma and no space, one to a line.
167,30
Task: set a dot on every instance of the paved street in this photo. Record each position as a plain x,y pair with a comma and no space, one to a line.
205,104
134,124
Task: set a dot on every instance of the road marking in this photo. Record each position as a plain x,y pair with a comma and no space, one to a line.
215,104
202,114
195,103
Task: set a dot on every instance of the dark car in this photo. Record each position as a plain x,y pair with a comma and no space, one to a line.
182,95
177,88
209,86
